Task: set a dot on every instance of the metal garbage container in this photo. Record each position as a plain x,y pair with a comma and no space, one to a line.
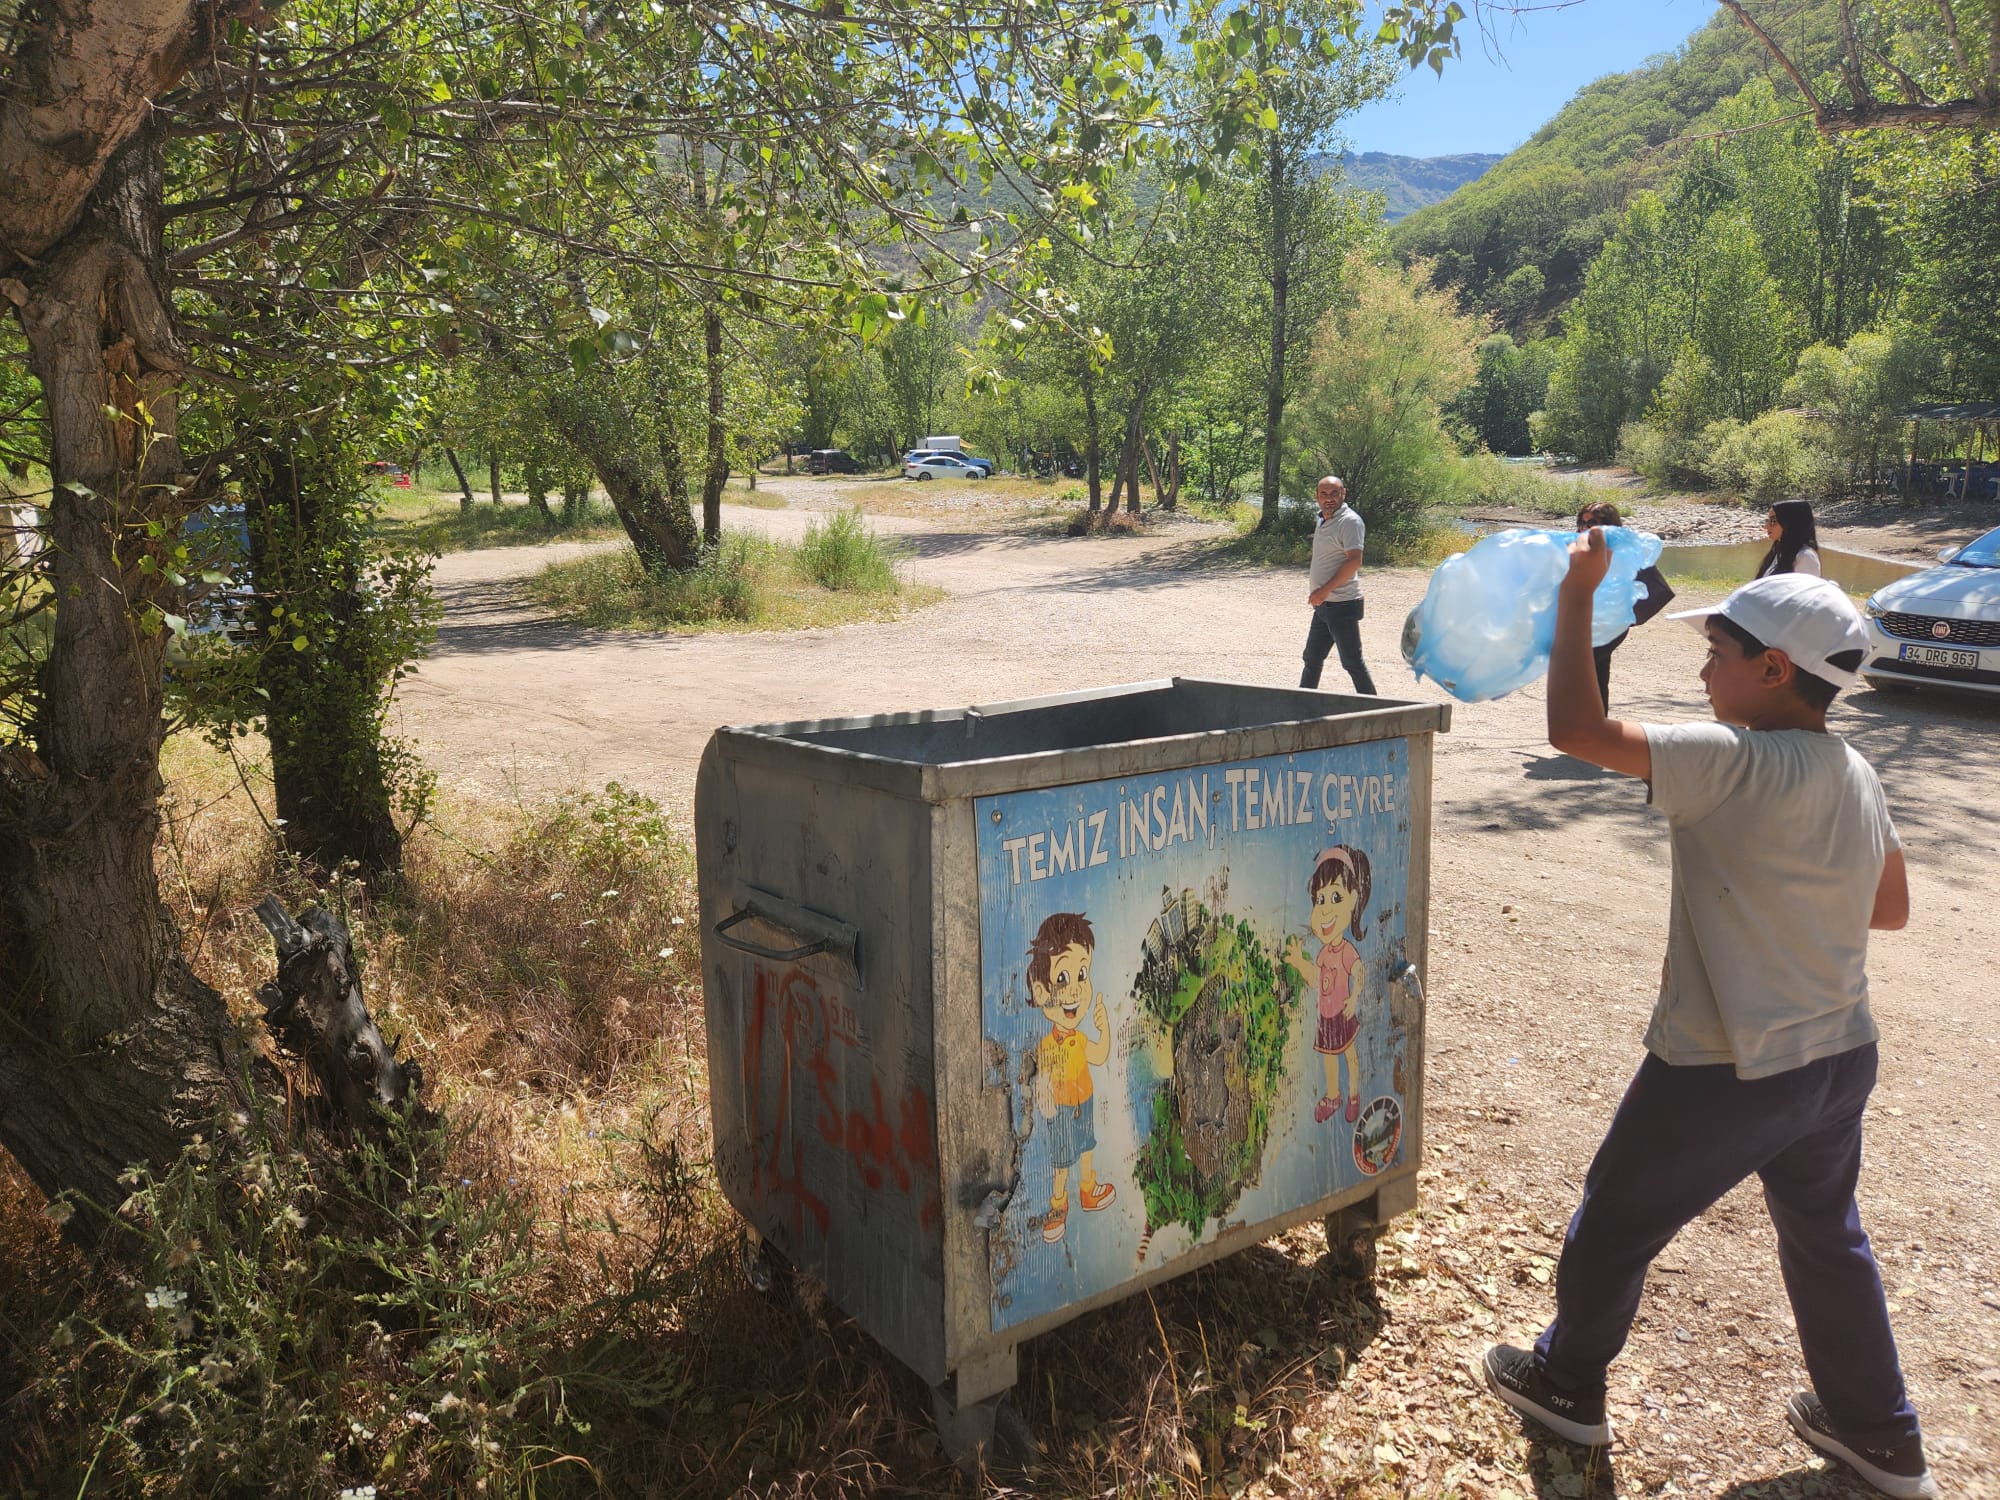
1014,1010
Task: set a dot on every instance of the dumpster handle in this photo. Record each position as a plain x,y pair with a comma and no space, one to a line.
758,950
823,934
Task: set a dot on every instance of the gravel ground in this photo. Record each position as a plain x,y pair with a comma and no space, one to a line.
1548,912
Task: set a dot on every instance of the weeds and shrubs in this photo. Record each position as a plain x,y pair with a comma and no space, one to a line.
1106,522
547,1297
844,554
841,572
1488,481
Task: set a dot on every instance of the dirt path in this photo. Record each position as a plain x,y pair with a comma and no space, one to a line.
1549,909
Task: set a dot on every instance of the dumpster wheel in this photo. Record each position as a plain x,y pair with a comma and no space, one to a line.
766,1267
1350,1242
989,1435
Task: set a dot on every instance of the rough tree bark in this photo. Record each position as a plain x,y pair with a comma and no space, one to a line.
716,470
315,1012
656,518
113,1049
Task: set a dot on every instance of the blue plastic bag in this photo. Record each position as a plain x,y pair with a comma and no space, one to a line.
1488,620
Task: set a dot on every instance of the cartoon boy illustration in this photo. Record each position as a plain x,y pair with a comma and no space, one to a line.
1338,891
1059,983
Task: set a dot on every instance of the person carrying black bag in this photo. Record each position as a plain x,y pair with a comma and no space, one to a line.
1658,595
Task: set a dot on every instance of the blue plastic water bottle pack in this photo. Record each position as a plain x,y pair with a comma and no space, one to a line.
1488,620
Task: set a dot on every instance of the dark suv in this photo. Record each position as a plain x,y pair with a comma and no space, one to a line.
831,461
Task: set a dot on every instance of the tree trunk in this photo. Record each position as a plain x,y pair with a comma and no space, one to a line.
1280,250
1092,445
1135,445
661,528
576,490
715,473
597,424
1173,500
464,485
111,1050
538,493
493,475
323,712
1117,480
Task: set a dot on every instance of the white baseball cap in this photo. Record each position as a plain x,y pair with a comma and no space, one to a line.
1810,619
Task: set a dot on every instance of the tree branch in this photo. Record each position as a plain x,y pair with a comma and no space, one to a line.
1770,45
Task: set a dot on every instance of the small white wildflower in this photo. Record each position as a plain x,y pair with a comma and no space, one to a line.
447,1403
666,953
555,895
679,923
359,1492
294,1218
608,895
59,1212
165,1299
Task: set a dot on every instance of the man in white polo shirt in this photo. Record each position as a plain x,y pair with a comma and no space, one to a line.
1334,588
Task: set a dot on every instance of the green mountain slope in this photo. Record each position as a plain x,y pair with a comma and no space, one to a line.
1408,183
1518,238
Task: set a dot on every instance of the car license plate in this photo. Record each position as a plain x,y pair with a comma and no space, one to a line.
1937,656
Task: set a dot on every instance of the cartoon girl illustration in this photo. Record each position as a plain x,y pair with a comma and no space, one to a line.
1338,890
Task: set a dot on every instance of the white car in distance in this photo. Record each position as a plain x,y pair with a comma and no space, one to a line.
1940,627
941,466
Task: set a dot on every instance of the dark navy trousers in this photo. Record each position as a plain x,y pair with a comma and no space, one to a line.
1683,1137
1337,623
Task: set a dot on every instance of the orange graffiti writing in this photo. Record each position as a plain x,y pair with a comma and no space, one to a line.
898,1154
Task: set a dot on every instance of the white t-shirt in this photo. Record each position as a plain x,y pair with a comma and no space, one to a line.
1333,538
1778,841
1806,562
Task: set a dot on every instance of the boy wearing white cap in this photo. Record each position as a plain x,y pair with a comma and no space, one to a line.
1761,1049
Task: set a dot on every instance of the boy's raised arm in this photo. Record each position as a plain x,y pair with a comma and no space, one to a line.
1577,722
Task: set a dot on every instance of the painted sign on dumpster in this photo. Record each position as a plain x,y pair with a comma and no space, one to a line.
1186,996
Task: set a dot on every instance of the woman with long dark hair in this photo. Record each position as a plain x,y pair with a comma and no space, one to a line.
1794,540
1658,594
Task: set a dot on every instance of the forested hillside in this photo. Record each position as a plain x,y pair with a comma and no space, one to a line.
1693,279
1517,240
1408,183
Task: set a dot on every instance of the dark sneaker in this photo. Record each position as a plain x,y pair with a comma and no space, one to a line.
1899,1471
1516,1379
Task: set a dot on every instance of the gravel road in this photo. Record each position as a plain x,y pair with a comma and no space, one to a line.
1548,908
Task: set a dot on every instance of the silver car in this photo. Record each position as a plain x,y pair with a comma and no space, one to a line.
1940,627
941,466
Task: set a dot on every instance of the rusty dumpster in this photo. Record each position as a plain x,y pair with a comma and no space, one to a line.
1013,1010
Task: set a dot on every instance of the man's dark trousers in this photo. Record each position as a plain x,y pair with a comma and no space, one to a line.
1684,1136
1337,623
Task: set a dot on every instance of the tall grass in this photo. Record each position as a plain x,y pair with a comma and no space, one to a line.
843,554
1485,480
839,573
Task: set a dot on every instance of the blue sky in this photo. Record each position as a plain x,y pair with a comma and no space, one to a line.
1501,91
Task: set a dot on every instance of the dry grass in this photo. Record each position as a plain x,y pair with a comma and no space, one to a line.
603,1337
